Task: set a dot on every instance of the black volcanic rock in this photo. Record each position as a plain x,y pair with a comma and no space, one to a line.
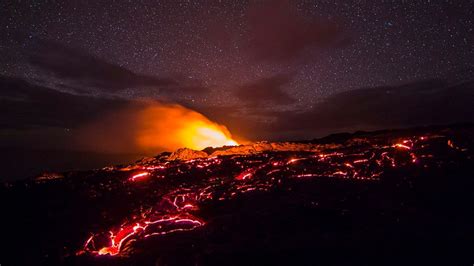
386,197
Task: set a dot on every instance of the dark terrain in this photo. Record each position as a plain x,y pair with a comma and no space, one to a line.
14,167
390,197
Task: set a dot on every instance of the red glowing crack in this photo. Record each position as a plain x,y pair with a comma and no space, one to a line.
181,205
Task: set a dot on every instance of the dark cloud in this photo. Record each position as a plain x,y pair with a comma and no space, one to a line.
233,117
421,103
187,87
279,32
25,105
266,90
432,102
74,64
39,117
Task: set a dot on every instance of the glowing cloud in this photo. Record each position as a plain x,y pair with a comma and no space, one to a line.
175,126
149,127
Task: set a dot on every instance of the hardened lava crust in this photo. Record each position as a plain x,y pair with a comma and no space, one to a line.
364,198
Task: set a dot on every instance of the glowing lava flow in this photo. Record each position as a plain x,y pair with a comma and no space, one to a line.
199,181
117,240
160,226
139,176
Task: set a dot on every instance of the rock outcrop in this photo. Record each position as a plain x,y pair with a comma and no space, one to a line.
254,148
187,154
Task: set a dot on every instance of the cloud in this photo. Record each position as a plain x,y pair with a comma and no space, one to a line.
431,102
25,105
266,90
278,32
73,64
148,127
420,103
38,117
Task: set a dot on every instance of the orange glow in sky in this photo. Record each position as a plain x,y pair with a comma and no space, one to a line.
150,127
174,126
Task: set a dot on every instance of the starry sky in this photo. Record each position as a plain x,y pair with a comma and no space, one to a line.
266,69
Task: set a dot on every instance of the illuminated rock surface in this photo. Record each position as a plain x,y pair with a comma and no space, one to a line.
343,199
187,154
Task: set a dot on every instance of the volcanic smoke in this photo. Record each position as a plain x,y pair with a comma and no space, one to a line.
148,127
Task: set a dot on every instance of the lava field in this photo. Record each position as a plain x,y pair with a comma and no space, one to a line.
386,197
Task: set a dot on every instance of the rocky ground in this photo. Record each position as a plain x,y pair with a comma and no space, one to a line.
386,197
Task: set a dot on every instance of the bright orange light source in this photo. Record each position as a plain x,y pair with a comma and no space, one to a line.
174,126
148,127
208,135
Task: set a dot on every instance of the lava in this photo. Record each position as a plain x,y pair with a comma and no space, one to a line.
139,176
229,202
174,220
161,226
179,209
247,174
402,146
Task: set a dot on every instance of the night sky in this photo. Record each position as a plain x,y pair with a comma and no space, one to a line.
265,69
